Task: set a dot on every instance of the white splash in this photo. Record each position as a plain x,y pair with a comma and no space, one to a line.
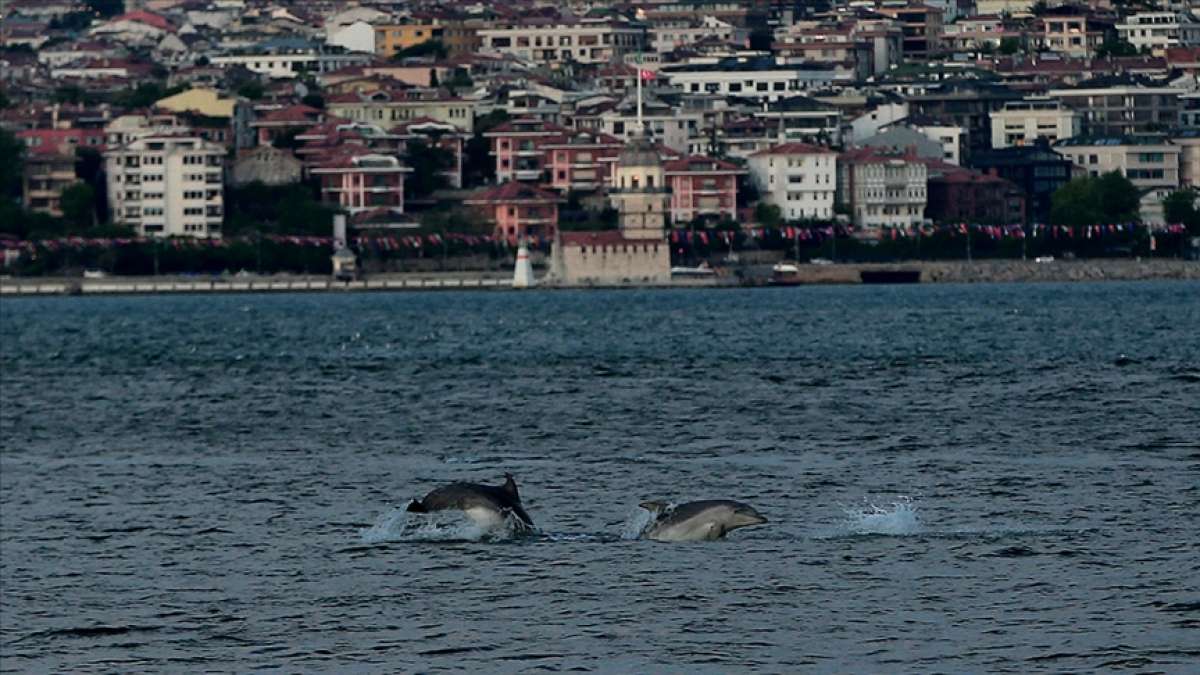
400,525
636,523
900,517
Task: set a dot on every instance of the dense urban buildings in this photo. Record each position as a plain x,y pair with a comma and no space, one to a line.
508,117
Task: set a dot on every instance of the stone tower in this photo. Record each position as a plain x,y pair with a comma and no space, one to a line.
640,193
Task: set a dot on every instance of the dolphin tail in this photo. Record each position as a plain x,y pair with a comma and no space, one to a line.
416,506
519,512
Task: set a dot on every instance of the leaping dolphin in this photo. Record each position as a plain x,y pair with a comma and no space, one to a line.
487,505
698,521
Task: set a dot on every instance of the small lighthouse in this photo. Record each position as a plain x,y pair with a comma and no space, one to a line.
523,273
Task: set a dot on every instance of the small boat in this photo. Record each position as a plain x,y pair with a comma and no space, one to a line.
785,274
701,270
890,276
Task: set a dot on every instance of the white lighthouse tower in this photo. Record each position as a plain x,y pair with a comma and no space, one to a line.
523,273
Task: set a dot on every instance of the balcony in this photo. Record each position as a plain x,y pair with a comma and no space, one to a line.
527,174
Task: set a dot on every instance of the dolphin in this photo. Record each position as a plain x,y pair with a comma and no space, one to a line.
487,505
698,521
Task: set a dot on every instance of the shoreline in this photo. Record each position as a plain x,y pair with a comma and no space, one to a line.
984,271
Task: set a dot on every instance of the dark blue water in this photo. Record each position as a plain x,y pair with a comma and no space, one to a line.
995,478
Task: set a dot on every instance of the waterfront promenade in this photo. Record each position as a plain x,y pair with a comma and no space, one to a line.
986,271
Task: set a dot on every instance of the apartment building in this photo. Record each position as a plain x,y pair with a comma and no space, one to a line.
1122,107
44,177
560,41
921,24
672,34
516,145
289,57
388,107
1159,31
762,79
882,188
167,184
360,180
1147,161
1021,122
1072,30
392,38
701,187
799,178
580,161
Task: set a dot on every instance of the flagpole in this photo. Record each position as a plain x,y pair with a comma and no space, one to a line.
641,125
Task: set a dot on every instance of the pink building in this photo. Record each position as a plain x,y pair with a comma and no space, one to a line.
358,179
702,186
516,146
581,160
518,210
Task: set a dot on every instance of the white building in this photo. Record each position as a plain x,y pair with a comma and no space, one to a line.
588,41
670,35
1157,31
289,57
872,121
667,126
763,78
167,185
882,189
1147,161
800,179
357,37
1022,122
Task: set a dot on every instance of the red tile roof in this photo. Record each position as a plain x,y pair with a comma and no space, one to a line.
514,192
147,18
794,149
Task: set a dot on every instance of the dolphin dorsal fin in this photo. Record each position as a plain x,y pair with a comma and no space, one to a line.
510,486
654,506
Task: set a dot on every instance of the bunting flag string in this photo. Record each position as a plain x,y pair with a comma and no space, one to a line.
689,237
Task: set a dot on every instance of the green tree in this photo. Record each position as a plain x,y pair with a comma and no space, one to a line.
433,48
106,8
4,102
1010,45
479,167
428,162
1180,207
314,101
12,161
768,215
1113,46
79,207
1111,198
142,96
252,89
761,39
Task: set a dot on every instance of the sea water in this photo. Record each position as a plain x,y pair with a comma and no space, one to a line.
997,478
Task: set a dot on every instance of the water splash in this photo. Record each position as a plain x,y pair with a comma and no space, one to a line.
898,518
400,525
636,523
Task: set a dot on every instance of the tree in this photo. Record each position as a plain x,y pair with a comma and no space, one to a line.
79,207
1180,207
1111,198
314,101
768,215
479,167
761,39
433,48
252,90
142,96
1010,46
12,153
106,8
428,162
1115,47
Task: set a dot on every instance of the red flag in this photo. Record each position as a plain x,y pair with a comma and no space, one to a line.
646,74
